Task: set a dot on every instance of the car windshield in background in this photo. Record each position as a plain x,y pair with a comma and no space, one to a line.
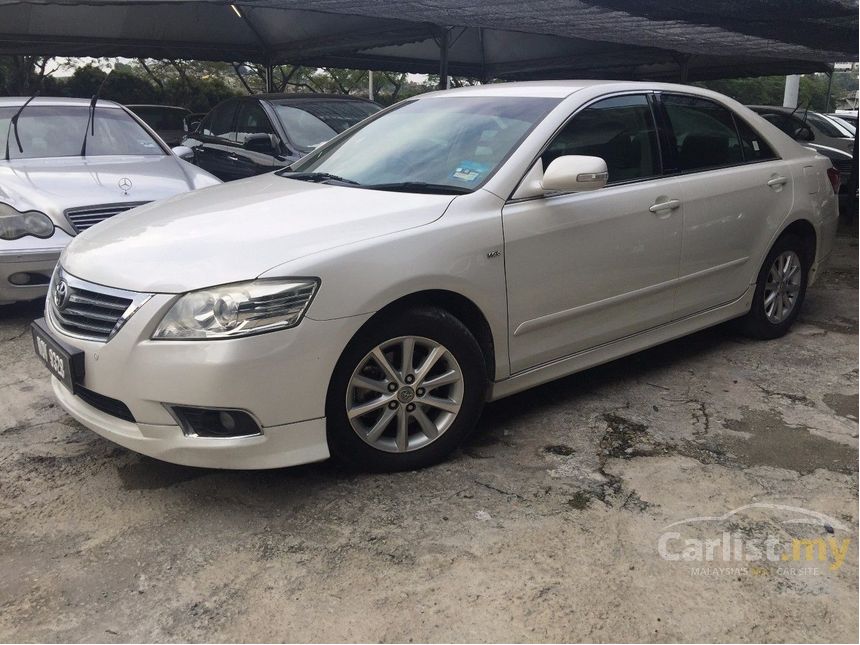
431,144
161,118
309,122
58,131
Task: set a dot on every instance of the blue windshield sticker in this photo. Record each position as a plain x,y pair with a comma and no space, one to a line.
469,170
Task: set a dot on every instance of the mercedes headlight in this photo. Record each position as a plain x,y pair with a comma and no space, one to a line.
240,309
15,224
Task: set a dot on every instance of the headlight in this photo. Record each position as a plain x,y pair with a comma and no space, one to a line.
239,309
14,224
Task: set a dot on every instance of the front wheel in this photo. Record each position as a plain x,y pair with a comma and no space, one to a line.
405,392
780,289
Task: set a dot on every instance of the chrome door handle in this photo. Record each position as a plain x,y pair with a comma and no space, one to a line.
777,181
668,205
233,157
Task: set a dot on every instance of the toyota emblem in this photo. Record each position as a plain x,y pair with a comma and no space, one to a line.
61,295
125,184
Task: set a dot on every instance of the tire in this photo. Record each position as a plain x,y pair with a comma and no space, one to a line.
758,323
379,439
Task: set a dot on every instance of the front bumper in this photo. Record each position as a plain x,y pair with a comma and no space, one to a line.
33,257
281,378
279,446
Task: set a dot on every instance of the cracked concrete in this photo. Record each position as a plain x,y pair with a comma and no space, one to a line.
544,527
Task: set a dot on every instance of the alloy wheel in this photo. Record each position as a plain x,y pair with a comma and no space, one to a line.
782,287
404,394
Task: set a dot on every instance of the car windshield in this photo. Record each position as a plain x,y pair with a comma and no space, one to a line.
161,118
58,131
455,142
309,123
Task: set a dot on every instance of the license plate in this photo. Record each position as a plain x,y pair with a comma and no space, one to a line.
64,362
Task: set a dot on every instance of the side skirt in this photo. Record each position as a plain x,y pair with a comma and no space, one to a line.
622,347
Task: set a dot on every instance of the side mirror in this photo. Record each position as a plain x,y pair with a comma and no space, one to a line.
575,174
183,152
261,142
804,133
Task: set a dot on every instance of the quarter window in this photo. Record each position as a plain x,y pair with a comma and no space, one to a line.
754,146
704,132
620,130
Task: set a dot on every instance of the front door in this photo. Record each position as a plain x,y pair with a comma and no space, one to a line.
587,268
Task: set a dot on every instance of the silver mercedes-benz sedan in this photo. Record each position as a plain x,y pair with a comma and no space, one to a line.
66,166
456,248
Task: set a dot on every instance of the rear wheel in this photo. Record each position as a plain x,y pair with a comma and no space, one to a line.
405,392
780,289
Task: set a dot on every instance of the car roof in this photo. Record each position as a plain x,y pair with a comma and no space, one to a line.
285,96
17,101
155,105
563,88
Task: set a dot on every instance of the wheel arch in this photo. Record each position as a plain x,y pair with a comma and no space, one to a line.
456,304
803,229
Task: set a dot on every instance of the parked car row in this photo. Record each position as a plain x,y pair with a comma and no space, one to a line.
68,165
458,247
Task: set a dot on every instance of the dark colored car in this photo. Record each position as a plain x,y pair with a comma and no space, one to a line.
170,122
251,135
792,123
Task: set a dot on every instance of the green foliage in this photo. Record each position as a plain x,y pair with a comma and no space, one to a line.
769,90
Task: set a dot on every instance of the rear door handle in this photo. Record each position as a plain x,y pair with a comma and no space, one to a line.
232,157
777,182
668,205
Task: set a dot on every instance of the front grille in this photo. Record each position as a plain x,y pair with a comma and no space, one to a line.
104,403
84,217
87,310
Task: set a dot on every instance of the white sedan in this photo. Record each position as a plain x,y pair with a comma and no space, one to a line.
65,166
453,249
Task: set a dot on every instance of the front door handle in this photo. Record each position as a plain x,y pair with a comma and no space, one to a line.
777,182
232,157
668,205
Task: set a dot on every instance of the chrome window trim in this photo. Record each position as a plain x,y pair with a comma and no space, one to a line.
189,431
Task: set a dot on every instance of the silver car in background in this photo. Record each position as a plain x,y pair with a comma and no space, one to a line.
53,185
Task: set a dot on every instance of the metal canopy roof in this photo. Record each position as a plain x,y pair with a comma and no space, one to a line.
515,39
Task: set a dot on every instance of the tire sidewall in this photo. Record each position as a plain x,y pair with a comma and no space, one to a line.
434,324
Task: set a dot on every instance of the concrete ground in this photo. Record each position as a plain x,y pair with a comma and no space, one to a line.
545,527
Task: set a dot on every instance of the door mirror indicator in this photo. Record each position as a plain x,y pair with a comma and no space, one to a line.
575,173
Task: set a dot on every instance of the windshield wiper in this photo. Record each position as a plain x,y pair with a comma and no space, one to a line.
91,117
317,177
420,187
13,123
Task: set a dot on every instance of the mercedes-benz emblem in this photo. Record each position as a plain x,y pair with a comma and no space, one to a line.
61,295
125,184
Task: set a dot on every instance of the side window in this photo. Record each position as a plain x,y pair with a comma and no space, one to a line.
620,130
754,146
219,122
252,119
704,132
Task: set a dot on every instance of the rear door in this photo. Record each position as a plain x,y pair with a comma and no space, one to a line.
735,190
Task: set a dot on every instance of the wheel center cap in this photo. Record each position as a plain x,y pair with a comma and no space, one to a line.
405,395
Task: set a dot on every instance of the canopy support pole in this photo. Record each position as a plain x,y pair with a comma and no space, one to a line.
683,67
829,89
444,44
270,77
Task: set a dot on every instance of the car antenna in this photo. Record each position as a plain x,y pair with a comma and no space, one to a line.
91,118
13,123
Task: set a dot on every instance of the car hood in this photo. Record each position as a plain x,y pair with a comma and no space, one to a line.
237,231
55,184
